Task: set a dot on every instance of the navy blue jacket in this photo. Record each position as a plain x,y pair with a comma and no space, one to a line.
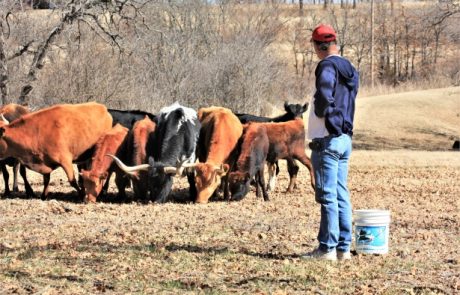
337,84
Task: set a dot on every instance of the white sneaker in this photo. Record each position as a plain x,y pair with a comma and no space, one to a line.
320,255
343,255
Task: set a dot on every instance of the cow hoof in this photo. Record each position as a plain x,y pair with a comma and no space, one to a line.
15,189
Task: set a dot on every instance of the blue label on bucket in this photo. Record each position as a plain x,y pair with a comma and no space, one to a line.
371,237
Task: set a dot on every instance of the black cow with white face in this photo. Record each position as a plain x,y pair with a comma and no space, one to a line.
171,145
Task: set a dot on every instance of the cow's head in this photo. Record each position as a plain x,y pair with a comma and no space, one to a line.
207,179
93,184
296,110
239,184
160,179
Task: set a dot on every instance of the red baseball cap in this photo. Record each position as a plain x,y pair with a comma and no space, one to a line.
323,33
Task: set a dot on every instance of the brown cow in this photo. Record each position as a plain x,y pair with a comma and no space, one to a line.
11,112
251,162
287,141
138,138
219,135
54,137
94,179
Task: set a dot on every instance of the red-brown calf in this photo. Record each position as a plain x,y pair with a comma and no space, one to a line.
251,162
287,141
94,179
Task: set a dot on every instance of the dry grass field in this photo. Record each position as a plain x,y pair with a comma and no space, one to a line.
61,246
417,120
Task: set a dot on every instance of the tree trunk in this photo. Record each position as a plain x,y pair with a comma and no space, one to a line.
41,53
3,69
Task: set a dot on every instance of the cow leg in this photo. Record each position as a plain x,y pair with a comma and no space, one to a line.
293,169
29,191
271,176
261,183
105,188
6,178
68,169
80,179
226,188
140,189
15,175
304,159
192,187
256,180
46,182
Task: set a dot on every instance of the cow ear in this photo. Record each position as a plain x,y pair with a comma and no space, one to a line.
304,107
286,106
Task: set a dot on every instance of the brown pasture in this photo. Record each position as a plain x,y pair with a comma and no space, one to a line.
61,246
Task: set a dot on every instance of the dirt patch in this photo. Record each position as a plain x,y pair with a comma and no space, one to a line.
64,247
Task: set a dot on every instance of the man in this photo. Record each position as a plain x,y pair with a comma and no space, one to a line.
330,128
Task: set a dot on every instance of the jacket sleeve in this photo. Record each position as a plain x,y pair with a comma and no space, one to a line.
326,76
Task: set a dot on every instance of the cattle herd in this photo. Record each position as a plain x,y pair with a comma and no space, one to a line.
217,150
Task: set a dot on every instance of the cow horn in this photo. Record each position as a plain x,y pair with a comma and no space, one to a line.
4,119
170,170
188,165
129,169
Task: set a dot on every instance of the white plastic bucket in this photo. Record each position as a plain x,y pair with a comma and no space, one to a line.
372,230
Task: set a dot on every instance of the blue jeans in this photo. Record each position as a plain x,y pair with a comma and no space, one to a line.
330,164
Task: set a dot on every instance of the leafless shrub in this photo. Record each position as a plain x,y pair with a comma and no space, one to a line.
146,54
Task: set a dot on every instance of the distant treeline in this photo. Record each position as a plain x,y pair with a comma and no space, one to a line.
147,54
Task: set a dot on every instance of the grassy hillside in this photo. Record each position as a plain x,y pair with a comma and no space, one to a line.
420,120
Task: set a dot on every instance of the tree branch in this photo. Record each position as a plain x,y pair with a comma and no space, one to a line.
21,50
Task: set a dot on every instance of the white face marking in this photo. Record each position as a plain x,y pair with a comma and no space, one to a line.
190,114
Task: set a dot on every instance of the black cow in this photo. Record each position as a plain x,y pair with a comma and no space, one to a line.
41,4
456,145
292,111
172,143
128,118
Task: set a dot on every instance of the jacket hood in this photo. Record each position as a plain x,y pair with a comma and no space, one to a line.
346,69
